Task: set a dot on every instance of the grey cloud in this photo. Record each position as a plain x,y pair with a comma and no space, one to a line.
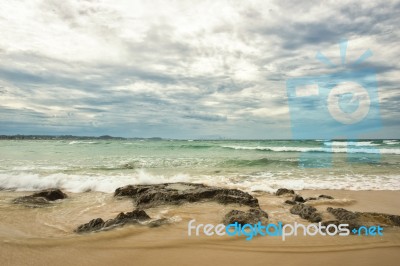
98,95
206,117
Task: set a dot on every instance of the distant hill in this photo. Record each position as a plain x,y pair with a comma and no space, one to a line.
65,137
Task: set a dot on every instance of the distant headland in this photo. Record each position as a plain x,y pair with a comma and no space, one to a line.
67,137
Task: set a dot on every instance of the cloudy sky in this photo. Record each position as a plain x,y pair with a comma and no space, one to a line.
183,69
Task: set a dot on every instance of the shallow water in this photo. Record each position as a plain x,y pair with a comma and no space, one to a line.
100,165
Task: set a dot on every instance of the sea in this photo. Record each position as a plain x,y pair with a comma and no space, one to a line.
250,165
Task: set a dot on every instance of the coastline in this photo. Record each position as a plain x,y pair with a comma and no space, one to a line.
170,244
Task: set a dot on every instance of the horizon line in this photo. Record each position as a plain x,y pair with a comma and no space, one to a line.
105,137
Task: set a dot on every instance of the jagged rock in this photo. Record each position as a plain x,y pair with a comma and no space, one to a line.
364,218
306,212
283,191
252,216
41,198
148,196
342,214
133,217
298,198
93,225
290,202
325,197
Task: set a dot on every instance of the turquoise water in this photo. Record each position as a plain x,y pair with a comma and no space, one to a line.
103,165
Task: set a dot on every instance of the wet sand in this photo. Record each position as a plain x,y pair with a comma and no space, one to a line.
44,236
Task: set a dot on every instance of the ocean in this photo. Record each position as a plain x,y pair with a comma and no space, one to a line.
256,165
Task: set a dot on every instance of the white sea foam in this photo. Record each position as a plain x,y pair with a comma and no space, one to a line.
350,143
318,149
269,182
82,142
391,142
81,183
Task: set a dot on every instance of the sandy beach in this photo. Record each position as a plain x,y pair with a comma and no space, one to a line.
44,236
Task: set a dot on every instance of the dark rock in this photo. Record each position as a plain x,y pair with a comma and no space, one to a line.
364,218
314,217
283,191
148,196
325,197
310,198
342,214
50,194
41,198
252,216
290,202
306,212
93,225
298,198
157,223
139,215
299,208
133,217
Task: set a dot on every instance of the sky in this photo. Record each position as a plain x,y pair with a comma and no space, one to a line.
191,69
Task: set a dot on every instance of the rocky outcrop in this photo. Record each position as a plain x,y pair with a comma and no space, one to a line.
148,196
42,197
364,218
94,225
133,217
306,212
283,191
252,216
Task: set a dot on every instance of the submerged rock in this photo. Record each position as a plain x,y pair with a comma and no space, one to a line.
133,217
310,198
42,197
283,191
325,197
148,196
306,212
252,216
364,218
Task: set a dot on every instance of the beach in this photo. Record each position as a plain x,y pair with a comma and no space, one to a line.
89,172
39,236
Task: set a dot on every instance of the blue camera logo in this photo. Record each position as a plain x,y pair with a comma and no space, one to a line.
341,105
